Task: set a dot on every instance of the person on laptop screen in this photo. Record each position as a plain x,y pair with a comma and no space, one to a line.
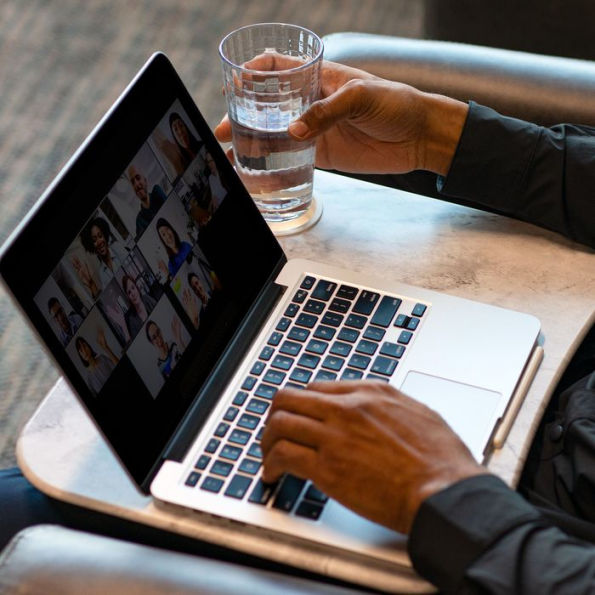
389,457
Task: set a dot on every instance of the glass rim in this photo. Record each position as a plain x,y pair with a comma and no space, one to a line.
286,70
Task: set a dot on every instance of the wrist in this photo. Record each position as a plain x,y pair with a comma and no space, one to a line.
443,125
441,481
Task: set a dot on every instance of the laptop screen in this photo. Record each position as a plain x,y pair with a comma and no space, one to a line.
140,263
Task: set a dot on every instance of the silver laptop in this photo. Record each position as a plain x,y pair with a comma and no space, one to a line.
159,290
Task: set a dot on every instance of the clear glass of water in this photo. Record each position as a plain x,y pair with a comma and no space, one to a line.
271,74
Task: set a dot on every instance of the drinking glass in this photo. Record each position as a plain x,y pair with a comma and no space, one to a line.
271,75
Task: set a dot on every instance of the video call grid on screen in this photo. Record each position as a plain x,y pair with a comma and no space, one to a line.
106,299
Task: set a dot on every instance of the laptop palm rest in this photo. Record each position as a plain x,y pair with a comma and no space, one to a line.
467,409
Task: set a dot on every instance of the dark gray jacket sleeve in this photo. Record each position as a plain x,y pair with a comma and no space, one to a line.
478,536
541,175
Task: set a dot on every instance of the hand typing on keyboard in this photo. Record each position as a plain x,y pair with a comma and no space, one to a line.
365,444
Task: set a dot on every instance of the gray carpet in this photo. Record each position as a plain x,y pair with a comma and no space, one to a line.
63,62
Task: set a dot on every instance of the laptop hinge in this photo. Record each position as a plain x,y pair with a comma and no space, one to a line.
209,394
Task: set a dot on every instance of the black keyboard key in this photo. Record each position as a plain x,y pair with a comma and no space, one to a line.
325,375
275,339
348,334
339,305
202,462
249,466
260,433
392,349
366,347
258,406
332,319
192,479
283,324
300,375
231,453
221,468
315,495
266,353
212,445
262,492
333,362
306,320
240,437
419,310
298,334
324,332
255,451
274,377
318,347
356,321
309,360
300,296
248,421
231,413
314,307
309,510
366,302
290,348
384,365
288,492
212,484
257,368
282,362
386,311
376,377
324,290
238,487
293,385
240,397
308,282
221,430
374,333
413,323
347,292
401,320
291,310
359,361
340,348
405,337
349,374
265,391
249,383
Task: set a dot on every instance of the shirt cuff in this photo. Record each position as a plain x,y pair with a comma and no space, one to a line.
455,526
478,171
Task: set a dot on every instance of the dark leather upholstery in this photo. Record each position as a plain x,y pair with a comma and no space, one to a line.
542,89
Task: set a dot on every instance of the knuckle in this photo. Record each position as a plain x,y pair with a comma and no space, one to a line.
319,110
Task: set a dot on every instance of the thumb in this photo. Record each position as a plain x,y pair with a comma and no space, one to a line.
325,113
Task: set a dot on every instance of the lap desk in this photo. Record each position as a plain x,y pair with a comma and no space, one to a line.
389,233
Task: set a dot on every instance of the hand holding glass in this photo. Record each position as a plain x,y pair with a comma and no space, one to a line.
271,76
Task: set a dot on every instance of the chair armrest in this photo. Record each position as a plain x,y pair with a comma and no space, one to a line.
542,89
52,559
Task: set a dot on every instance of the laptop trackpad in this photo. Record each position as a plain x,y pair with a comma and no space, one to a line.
467,409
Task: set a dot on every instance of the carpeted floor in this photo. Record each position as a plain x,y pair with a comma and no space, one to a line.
63,62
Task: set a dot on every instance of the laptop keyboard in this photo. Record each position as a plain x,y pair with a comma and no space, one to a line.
328,332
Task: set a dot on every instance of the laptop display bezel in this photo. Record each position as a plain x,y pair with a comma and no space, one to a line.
248,255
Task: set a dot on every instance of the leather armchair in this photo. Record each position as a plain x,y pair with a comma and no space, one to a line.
543,89
52,559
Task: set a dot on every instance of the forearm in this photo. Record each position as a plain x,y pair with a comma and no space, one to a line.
545,176
480,536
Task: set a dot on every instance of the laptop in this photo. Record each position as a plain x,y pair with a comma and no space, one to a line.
159,290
